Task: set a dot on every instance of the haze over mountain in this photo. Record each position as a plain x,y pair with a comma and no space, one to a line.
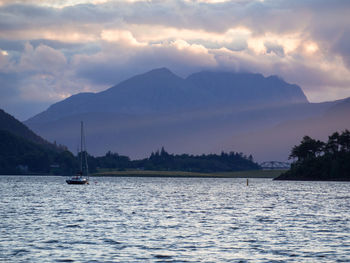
277,141
161,91
206,112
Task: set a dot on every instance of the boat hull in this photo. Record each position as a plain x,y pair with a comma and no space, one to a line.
77,181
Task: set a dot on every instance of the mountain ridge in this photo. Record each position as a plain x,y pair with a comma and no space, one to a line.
204,113
160,90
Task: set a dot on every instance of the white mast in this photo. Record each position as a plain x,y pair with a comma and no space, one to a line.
84,168
81,147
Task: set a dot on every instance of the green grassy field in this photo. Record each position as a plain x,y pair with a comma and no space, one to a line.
142,173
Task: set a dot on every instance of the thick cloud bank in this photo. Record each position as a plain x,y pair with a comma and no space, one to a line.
52,49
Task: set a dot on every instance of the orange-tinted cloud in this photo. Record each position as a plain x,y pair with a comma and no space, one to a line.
66,47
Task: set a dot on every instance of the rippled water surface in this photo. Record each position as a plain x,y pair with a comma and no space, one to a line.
42,219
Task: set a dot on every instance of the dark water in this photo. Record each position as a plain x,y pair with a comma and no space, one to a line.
42,219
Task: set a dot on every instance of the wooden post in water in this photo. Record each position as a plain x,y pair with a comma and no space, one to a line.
247,181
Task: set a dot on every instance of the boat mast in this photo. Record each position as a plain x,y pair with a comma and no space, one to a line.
81,147
84,163
85,157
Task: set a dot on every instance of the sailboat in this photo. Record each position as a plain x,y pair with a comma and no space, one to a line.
82,176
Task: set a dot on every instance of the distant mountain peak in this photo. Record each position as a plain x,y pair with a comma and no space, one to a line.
158,73
162,70
161,91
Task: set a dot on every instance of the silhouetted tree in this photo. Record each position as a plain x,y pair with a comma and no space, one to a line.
344,141
317,160
333,144
308,148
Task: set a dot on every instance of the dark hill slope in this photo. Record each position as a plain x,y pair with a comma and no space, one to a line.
22,156
12,125
22,151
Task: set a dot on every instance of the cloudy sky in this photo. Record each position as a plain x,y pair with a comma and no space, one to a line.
51,49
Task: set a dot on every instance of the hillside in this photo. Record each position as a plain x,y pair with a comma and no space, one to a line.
275,142
21,156
241,88
205,113
10,124
22,151
162,92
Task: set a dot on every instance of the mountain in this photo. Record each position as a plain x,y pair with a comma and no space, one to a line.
276,142
22,151
242,88
12,125
204,113
161,91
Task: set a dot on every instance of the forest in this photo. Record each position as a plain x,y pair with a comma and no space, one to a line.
21,156
163,161
24,152
318,160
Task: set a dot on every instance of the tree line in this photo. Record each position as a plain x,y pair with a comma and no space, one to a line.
163,161
24,152
318,160
20,156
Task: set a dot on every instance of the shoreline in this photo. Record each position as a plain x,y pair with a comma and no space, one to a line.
180,174
174,174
